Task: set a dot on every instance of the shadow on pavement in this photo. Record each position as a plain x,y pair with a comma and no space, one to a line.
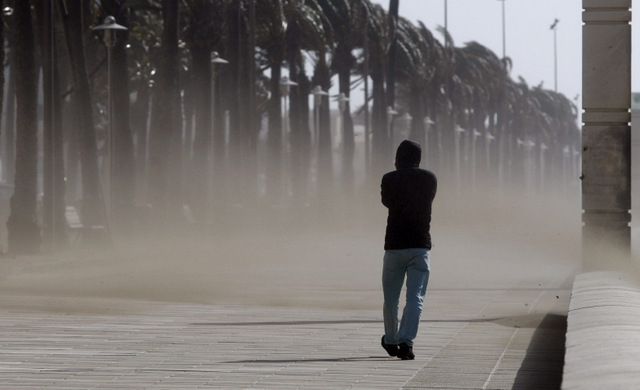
543,364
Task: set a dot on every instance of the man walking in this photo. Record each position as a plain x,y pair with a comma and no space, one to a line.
408,193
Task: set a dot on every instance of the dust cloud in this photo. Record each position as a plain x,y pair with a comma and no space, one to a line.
484,238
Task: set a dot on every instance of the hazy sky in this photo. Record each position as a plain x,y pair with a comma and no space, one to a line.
529,39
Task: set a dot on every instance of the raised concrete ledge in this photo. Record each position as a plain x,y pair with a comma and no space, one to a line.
594,117
603,332
606,16
606,3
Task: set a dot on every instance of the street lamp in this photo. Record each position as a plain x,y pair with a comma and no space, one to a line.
342,107
110,27
285,87
488,137
554,27
428,122
457,136
215,59
318,93
543,148
390,113
405,124
504,40
446,21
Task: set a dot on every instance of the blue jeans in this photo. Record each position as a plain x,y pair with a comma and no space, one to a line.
413,262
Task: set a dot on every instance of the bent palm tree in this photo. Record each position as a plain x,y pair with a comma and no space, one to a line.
22,226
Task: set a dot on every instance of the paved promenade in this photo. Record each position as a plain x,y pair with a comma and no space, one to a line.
469,339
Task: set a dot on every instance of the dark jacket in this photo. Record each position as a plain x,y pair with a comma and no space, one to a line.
408,193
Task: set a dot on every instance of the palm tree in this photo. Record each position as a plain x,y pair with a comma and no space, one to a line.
164,119
391,56
481,76
199,34
8,158
241,102
271,39
22,225
416,68
92,209
322,78
347,19
53,202
378,42
305,31
123,164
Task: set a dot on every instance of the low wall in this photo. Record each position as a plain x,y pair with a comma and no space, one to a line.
603,332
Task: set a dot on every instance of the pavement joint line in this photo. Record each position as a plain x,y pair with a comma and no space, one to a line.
513,335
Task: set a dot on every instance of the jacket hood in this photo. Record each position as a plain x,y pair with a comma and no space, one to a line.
408,154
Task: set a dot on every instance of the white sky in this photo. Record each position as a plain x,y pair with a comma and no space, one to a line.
529,39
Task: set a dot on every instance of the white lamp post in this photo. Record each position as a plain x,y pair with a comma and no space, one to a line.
405,121
504,36
109,26
427,128
488,137
318,93
554,27
285,87
390,113
215,59
342,106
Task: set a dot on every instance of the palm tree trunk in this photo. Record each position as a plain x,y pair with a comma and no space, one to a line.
22,225
237,97
416,109
274,180
2,79
201,168
163,117
53,208
325,155
380,132
298,114
92,209
348,141
124,172
8,158
391,56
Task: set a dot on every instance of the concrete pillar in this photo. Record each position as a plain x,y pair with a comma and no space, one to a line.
606,132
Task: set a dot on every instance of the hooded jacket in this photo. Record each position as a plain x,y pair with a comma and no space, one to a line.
408,193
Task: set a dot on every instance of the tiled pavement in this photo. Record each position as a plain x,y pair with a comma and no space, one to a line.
469,339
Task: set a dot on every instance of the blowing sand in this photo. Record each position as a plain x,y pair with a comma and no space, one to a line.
482,240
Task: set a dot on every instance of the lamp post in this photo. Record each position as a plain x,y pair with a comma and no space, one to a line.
504,40
285,87
488,137
342,106
446,22
543,148
318,93
215,59
109,26
428,122
554,27
457,136
390,113
405,124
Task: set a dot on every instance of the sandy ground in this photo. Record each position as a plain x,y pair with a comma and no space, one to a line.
481,242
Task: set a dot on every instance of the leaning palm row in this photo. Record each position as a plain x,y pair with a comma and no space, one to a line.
218,104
